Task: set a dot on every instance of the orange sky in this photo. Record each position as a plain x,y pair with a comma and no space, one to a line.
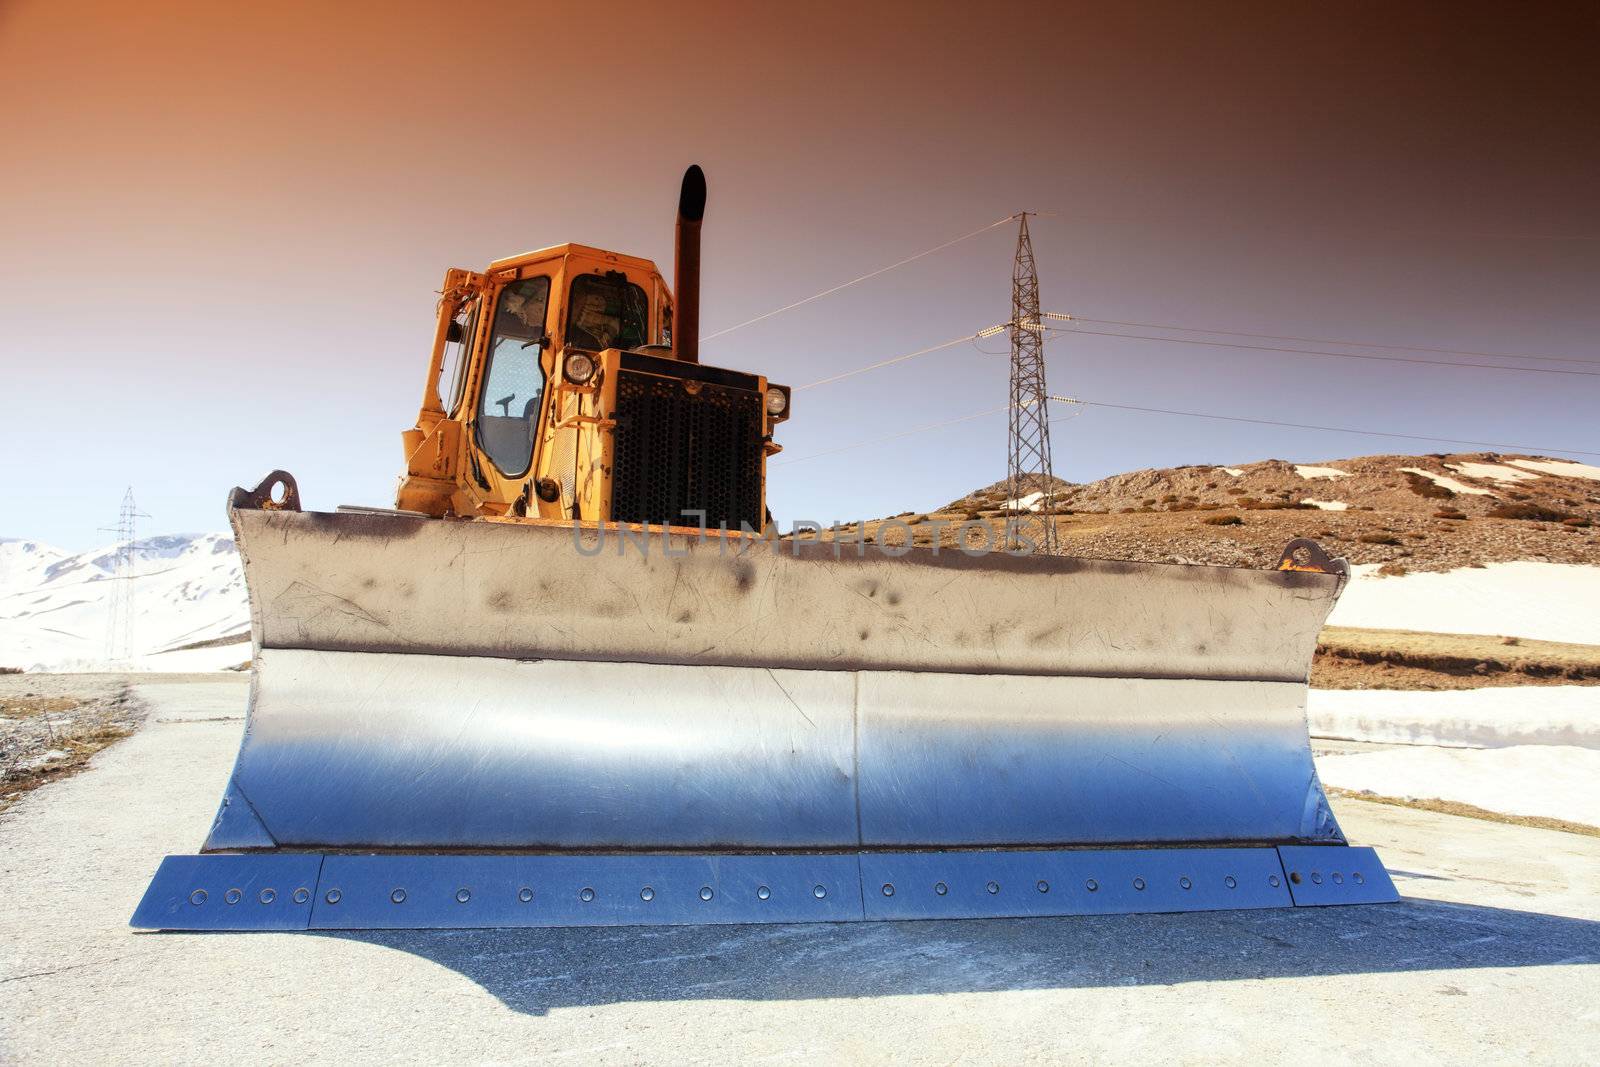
223,224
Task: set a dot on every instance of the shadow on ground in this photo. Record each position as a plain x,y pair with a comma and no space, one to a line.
534,971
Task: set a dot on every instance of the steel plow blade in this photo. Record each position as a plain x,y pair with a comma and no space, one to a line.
520,724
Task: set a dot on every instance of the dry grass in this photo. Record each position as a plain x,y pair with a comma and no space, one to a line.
67,728
79,748
1427,487
1470,811
1349,658
27,707
1529,513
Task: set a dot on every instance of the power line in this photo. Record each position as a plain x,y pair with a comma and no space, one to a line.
1325,341
1159,326
1232,225
1335,355
889,437
991,331
855,281
897,359
1496,445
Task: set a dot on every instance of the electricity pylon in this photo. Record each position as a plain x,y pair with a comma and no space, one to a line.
119,620
1030,522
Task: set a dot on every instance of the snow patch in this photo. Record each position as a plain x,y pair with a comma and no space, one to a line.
1560,468
1319,472
55,608
1544,601
1235,471
220,658
1447,482
1030,502
1327,505
1553,781
54,755
24,563
1497,717
1493,472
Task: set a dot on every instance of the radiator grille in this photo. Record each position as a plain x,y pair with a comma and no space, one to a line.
679,452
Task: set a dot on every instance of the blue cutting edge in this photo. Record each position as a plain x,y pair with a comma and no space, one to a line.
300,891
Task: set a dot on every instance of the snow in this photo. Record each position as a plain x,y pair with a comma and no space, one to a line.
1027,503
53,755
220,658
25,562
55,608
1560,468
1543,601
1554,781
1235,471
1319,472
1327,505
1493,472
1516,750
1497,717
1447,482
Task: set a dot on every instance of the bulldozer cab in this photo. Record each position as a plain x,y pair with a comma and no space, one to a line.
555,384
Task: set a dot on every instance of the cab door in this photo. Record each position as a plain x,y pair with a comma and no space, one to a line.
509,388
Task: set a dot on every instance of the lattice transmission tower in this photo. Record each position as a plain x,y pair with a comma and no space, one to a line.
1030,519
119,620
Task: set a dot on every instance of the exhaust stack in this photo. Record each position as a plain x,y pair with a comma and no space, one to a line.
686,267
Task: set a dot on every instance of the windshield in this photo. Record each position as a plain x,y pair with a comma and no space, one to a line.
607,311
508,404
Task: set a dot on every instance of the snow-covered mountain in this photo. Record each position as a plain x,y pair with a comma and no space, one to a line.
187,589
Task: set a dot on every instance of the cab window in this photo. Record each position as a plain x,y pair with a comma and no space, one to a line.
607,311
508,403
453,365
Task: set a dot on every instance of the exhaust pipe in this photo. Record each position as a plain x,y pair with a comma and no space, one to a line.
686,267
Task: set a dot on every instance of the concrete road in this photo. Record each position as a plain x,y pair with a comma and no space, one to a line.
1495,955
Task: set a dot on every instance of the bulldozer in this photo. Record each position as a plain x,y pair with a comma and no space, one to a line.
573,678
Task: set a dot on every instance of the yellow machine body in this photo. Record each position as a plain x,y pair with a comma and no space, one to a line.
508,429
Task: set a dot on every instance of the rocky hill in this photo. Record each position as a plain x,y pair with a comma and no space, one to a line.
1433,512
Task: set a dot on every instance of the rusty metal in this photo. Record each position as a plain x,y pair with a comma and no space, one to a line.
520,590
276,492
1305,555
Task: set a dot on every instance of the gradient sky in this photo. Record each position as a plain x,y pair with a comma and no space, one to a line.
224,225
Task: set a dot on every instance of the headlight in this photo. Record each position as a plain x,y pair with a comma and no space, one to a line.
777,402
579,368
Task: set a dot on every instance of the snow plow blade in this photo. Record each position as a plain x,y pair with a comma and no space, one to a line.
479,723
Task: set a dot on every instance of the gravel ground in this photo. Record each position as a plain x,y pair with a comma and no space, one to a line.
1493,956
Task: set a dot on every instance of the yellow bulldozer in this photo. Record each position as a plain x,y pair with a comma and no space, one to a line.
587,400
572,678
